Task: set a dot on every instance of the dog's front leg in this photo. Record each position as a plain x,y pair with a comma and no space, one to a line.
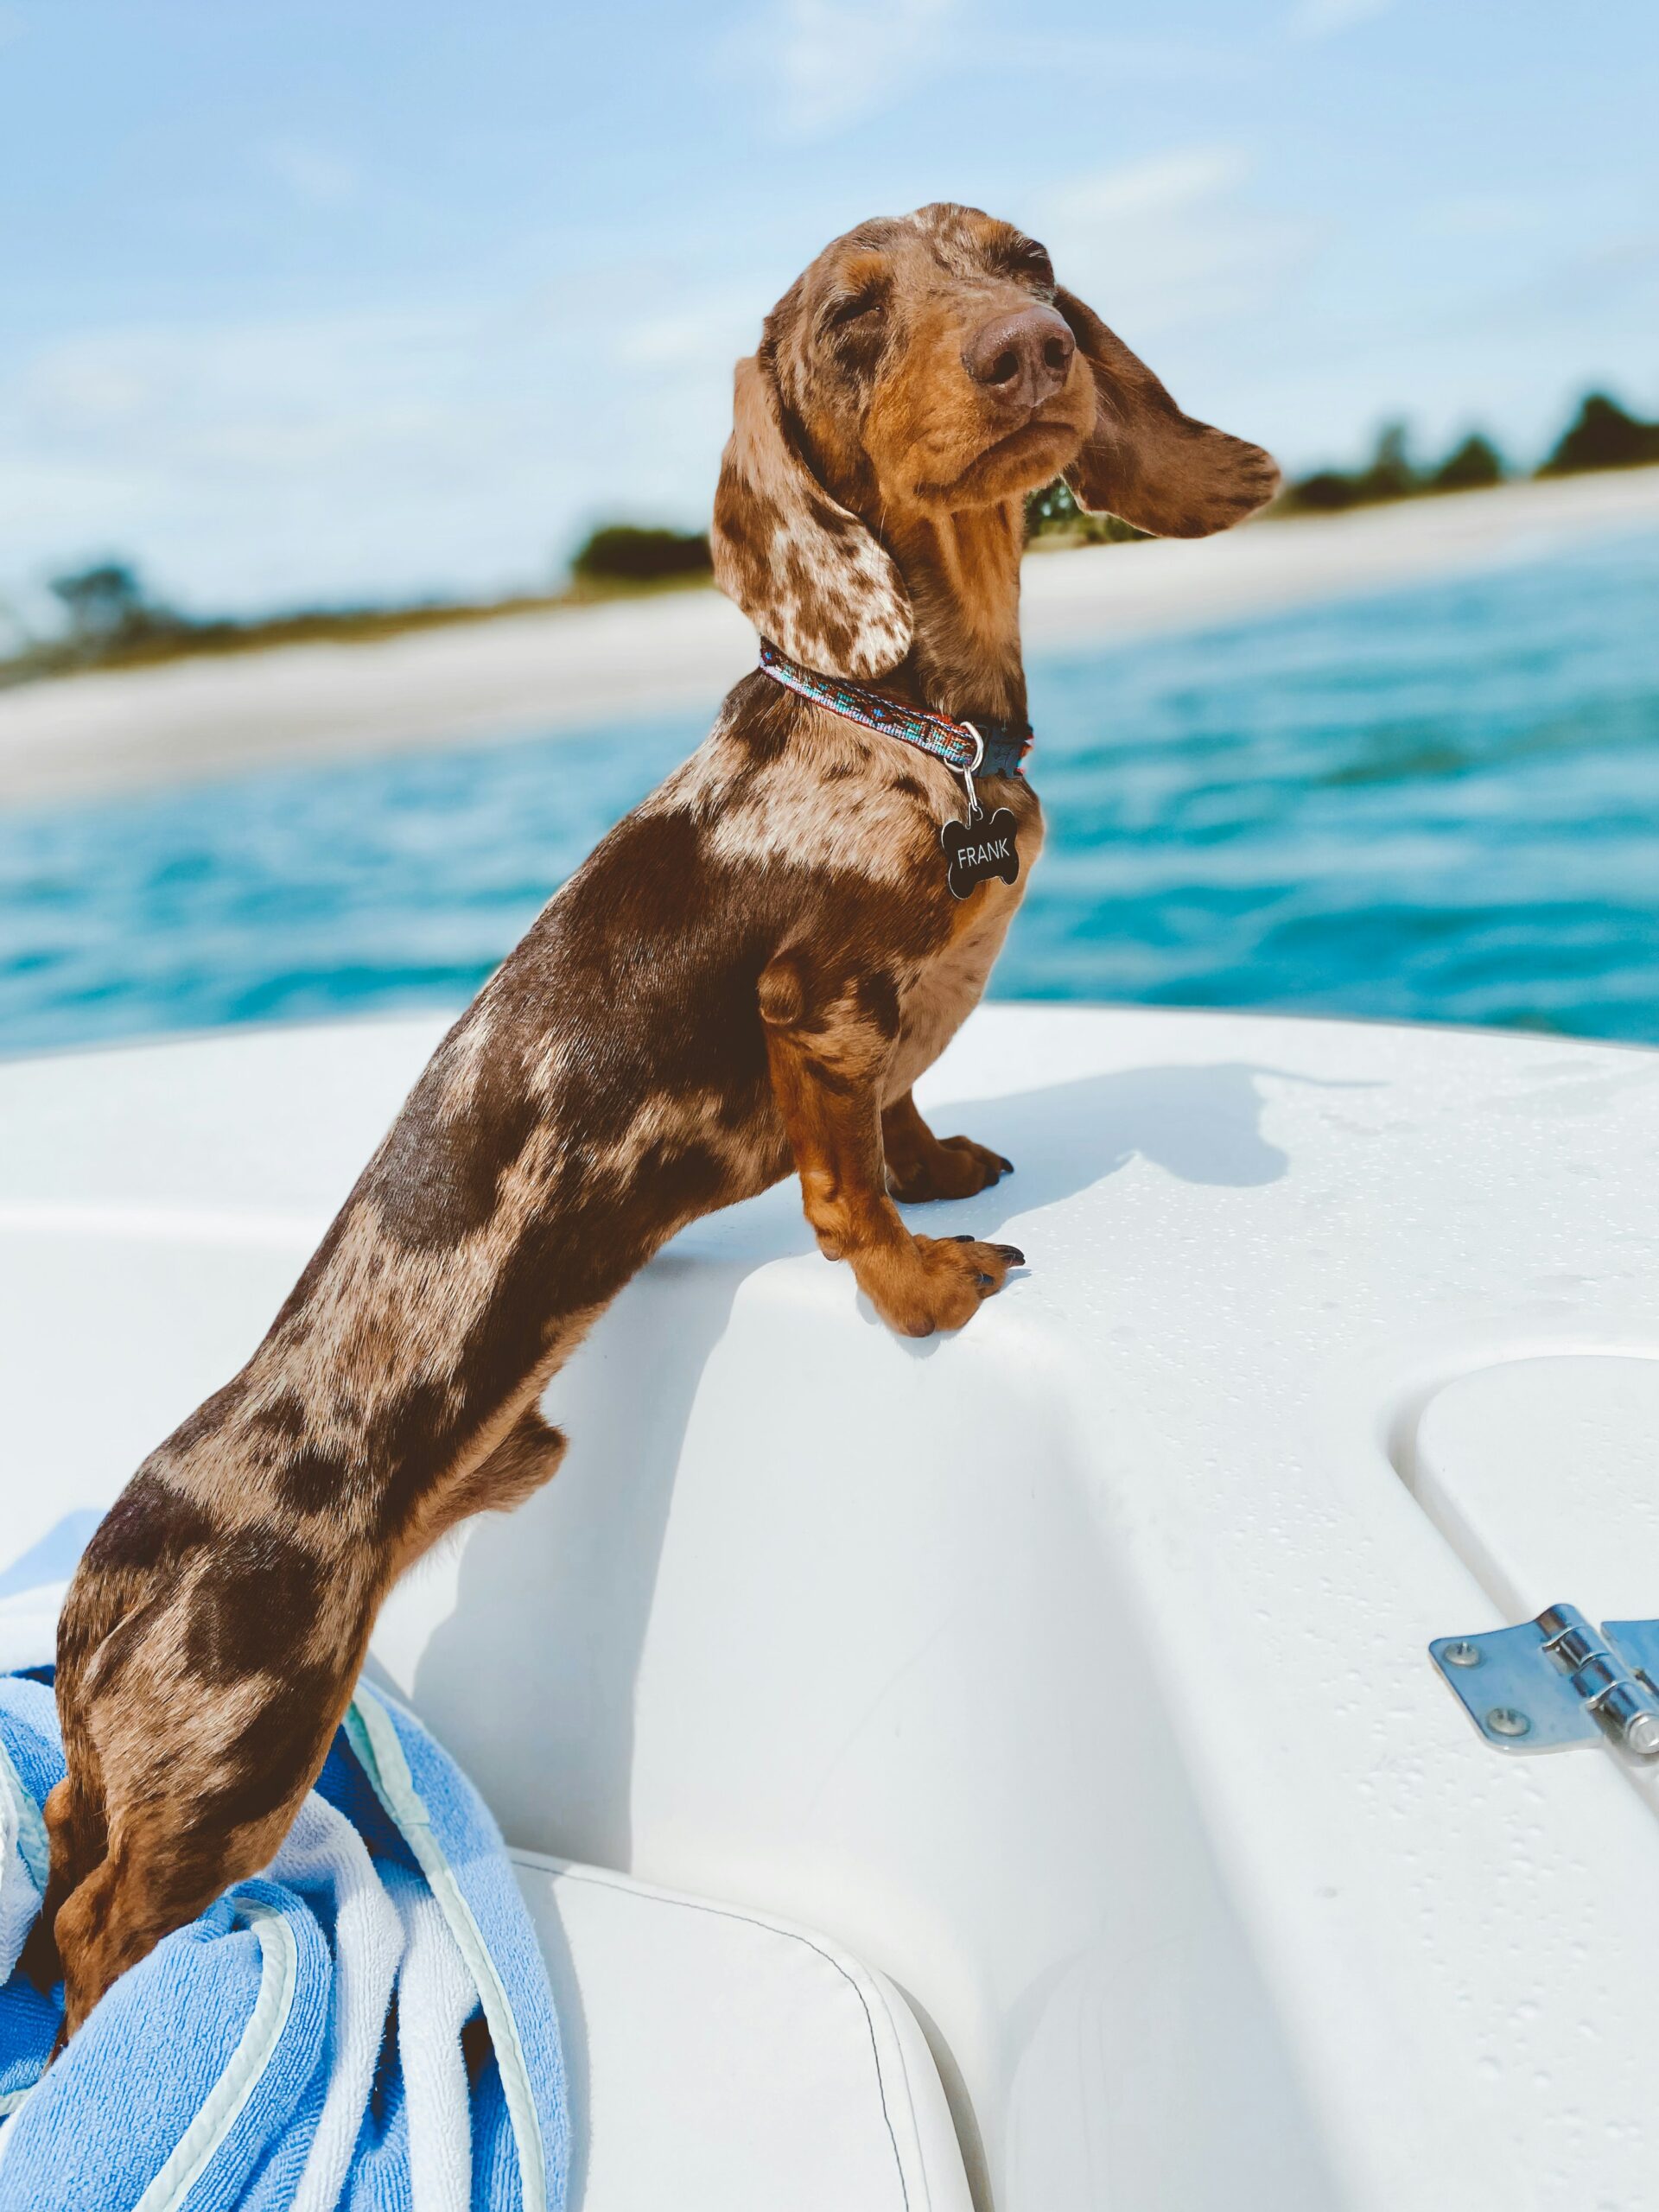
828,1045
921,1166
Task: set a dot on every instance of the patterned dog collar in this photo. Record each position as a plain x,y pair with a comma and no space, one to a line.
971,748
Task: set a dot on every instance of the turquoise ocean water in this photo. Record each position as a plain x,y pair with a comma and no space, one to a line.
1440,804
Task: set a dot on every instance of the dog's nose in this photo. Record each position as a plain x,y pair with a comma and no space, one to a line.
1023,357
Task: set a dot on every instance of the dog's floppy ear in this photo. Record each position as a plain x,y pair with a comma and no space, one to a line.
1145,460
808,574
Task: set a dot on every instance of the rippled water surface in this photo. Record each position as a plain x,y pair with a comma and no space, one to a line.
1440,805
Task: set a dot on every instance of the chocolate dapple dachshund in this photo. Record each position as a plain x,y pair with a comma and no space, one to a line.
746,977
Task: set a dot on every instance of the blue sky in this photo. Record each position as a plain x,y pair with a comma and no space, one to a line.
311,302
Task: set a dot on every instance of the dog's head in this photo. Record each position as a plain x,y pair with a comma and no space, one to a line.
932,365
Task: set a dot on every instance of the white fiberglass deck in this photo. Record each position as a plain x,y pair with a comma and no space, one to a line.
1071,1671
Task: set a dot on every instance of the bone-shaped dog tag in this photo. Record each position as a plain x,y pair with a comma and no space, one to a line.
979,848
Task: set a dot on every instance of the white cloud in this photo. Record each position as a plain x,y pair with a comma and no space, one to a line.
1002,47
1319,19
836,62
1487,215
821,66
1148,190
310,174
711,328
282,461
263,460
1170,243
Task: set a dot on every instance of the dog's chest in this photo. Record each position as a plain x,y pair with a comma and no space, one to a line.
949,984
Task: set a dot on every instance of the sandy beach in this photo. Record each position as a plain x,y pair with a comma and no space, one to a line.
527,675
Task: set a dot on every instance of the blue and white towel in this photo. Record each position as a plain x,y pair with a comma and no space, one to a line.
366,2027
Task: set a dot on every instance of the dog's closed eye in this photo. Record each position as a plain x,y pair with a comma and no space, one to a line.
1025,260
862,288
866,303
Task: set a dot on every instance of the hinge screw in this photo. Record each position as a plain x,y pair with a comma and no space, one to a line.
1505,1721
1463,1653
1642,1735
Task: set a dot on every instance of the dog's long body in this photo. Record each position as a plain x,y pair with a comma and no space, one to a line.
746,976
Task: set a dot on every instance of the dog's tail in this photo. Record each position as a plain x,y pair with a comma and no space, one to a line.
76,1824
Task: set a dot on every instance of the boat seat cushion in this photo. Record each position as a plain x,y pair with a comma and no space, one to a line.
719,2061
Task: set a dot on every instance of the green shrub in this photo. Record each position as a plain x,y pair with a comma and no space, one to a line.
108,601
1469,466
1054,512
1389,474
1327,492
1603,434
624,552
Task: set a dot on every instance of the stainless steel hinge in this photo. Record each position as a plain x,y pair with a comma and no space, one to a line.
1557,1681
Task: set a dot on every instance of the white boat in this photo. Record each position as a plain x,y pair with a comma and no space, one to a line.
1010,1770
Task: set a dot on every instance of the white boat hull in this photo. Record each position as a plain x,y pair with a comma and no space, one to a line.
1071,1672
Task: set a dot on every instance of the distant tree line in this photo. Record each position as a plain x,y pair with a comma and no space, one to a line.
1391,473
1602,434
110,617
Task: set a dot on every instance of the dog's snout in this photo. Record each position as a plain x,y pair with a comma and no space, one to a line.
1023,357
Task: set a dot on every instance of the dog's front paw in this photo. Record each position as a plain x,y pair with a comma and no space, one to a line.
934,1282
951,1168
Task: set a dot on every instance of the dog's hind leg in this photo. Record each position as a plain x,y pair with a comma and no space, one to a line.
205,1716
158,1877
76,1826
190,1816
201,1798
80,1839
